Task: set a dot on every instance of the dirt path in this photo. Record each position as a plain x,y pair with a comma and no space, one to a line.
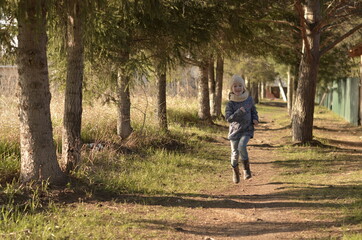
260,208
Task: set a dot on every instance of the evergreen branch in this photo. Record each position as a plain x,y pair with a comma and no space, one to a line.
340,39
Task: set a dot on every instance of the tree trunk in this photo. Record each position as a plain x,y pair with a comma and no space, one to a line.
360,93
219,83
38,154
295,85
212,87
254,91
73,93
203,95
289,92
124,128
302,122
161,100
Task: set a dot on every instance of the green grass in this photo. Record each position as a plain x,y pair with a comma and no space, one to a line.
352,237
169,164
328,175
152,164
86,221
9,161
131,189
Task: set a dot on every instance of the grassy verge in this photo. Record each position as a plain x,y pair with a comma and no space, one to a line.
133,189
116,191
328,176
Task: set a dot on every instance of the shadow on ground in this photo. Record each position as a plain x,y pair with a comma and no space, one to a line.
274,104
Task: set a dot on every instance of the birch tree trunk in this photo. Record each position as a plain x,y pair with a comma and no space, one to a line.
303,110
38,154
212,87
161,100
124,128
203,92
219,83
71,143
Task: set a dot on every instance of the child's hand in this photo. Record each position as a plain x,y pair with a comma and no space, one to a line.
242,109
256,123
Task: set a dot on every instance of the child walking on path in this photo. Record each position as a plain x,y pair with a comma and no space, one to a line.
241,113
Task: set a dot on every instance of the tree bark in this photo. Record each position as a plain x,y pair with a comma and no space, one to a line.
38,154
124,128
254,92
161,100
289,92
303,110
219,83
71,144
203,92
212,87
262,90
360,93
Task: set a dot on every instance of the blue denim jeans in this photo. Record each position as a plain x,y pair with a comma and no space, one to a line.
238,147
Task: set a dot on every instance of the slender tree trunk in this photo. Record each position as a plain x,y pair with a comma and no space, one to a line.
295,85
254,91
73,93
38,155
124,128
161,100
360,93
302,123
289,92
203,95
219,83
212,87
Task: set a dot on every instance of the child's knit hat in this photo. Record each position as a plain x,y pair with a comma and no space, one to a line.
232,96
236,79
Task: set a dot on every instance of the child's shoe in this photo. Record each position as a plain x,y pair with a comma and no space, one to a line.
236,174
247,174
246,168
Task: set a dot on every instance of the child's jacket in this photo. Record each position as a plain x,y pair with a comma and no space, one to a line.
241,124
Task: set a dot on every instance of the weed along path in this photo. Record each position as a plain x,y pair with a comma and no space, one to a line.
291,194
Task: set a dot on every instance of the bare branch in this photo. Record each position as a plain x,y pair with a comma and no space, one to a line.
330,14
191,61
299,8
340,39
275,21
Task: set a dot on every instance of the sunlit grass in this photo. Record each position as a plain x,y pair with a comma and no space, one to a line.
149,162
158,165
95,222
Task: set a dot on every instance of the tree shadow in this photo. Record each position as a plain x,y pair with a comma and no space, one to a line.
289,126
238,229
343,163
287,196
263,145
274,104
326,129
346,143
